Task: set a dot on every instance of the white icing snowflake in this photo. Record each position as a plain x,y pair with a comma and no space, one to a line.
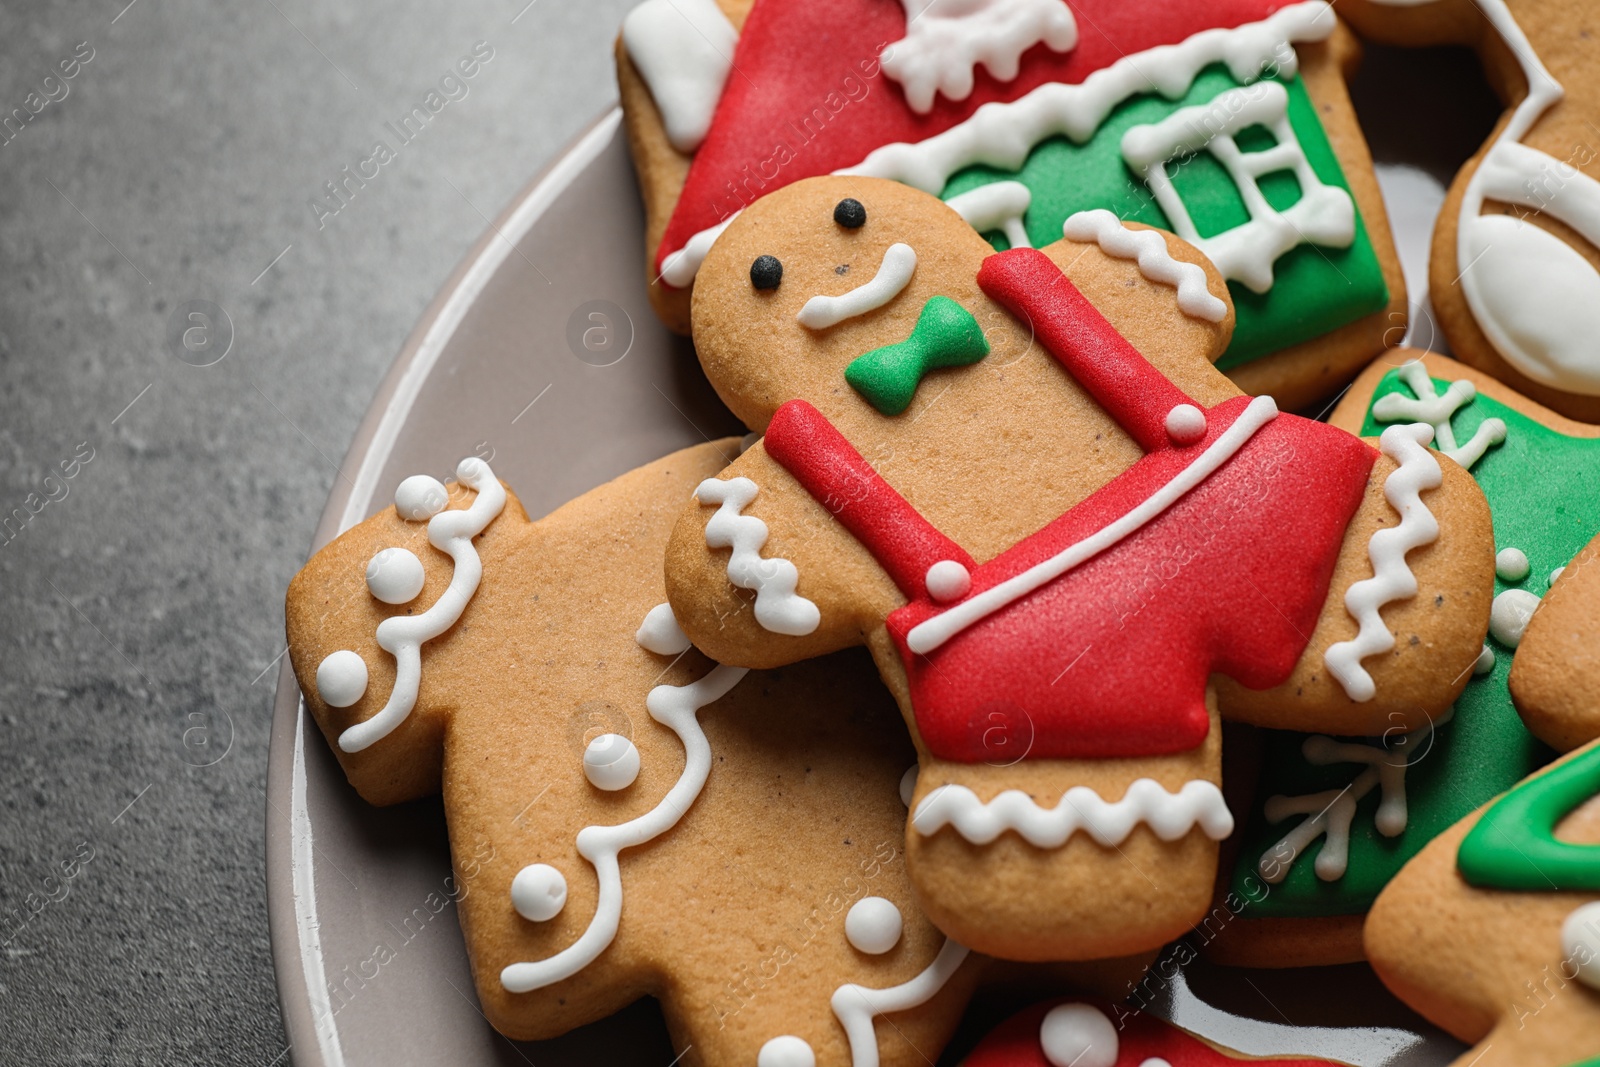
1437,411
1332,811
946,40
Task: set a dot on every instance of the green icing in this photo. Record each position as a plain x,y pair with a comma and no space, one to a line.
1316,290
1514,845
946,335
1544,493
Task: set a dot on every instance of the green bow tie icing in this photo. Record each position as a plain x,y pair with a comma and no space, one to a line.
1514,845
946,335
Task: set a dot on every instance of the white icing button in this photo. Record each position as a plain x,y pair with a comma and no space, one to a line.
947,580
1078,1035
1511,564
611,762
1580,942
341,679
660,632
873,925
538,892
908,785
420,497
1509,615
1485,662
1556,574
1186,424
786,1051
395,576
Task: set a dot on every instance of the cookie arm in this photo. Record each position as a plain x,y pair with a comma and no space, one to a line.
1555,677
760,574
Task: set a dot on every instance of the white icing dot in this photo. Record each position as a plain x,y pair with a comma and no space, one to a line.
1509,615
873,925
1186,424
786,1051
660,632
395,576
1556,574
908,785
1485,662
538,892
1078,1035
420,497
341,679
948,580
1511,564
611,762
1580,942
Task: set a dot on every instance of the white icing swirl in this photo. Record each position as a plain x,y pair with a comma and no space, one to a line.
1149,249
778,608
856,1006
946,40
1391,577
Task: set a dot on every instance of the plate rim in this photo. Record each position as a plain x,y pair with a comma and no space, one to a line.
304,1006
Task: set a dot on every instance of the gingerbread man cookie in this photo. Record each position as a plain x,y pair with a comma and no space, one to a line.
1226,122
1493,930
1337,817
1515,271
640,820
1018,479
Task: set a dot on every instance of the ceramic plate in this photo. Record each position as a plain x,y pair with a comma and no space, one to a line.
542,354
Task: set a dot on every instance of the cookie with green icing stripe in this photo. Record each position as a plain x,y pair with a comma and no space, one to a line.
1541,475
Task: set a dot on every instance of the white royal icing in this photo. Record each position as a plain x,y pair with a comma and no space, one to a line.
946,40
1557,573
997,206
661,634
395,576
1510,614
683,49
873,925
894,274
675,707
786,1051
402,636
1149,249
611,762
947,580
1535,297
1580,942
778,608
1186,424
341,678
1485,661
935,631
1078,1035
1146,802
420,497
1002,135
856,1006
1391,577
1511,564
1324,215
539,892
1332,811
1437,411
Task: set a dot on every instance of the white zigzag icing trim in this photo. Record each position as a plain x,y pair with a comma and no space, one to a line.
1149,249
856,1006
777,608
1437,411
403,636
1170,815
1391,578
675,707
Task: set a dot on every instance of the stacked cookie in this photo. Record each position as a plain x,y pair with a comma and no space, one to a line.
811,735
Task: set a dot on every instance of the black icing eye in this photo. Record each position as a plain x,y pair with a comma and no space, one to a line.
766,272
850,214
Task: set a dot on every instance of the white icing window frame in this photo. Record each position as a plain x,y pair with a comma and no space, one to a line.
1324,214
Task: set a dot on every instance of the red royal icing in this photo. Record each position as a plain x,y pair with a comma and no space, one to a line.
796,58
1015,1043
1111,658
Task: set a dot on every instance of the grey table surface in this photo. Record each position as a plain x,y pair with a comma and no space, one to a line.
141,606
141,598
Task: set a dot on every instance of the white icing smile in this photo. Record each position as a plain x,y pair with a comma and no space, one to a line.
894,274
